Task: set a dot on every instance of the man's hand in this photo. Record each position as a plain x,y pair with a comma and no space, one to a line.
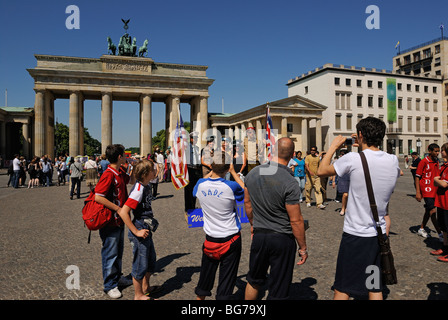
303,254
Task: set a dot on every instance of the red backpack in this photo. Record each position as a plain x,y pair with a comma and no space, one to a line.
95,215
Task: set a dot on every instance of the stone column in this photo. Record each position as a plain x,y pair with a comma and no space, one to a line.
172,113
145,125
81,123
26,136
73,144
39,123
284,127
203,109
106,120
304,135
319,135
49,124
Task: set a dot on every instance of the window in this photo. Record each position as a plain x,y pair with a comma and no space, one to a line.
434,105
349,122
407,59
400,103
306,90
337,99
348,82
358,83
434,89
380,84
337,81
437,48
416,56
370,83
426,53
425,88
436,125
370,101
409,124
409,103
289,127
426,124
359,100
399,86
417,124
380,102
408,87
426,104
417,104
338,122
417,88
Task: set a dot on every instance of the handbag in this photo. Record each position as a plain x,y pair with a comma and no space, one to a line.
389,274
216,250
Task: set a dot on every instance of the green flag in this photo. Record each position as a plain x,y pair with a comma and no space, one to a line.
391,100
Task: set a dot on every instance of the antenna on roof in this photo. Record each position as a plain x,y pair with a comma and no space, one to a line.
6,97
222,105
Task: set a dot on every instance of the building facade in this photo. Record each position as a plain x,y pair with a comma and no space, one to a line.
352,93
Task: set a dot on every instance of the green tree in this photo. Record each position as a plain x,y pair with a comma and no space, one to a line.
61,141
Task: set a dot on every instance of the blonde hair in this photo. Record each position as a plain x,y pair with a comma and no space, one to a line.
143,168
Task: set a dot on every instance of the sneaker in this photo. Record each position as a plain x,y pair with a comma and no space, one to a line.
421,232
443,258
321,206
114,293
308,205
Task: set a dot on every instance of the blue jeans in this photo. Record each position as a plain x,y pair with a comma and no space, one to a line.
15,178
144,253
301,181
111,255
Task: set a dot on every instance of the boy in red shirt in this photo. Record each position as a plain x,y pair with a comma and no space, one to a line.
111,191
441,202
427,169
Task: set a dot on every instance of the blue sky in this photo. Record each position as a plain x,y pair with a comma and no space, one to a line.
251,48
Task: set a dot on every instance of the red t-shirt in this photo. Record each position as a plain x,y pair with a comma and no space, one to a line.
111,178
427,169
441,200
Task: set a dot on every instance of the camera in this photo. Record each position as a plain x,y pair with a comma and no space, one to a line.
349,141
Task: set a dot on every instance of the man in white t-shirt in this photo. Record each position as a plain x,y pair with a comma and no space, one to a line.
16,168
359,247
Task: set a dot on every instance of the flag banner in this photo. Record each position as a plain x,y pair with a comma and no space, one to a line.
179,171
391,100
195,216
270,137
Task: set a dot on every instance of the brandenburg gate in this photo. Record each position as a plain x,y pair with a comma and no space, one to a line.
120,78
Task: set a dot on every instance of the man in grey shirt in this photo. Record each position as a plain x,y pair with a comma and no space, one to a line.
271,199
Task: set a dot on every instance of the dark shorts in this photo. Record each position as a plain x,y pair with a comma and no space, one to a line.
442,217
356,255
429,203
277,251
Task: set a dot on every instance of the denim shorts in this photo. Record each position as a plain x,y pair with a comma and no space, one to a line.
144,254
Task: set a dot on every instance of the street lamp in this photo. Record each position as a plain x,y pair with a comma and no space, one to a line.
419,144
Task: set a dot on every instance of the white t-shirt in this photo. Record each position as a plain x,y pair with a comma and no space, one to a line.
160,159
384,172
16,164
218,202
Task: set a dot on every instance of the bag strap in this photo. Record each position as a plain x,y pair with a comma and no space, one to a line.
371,196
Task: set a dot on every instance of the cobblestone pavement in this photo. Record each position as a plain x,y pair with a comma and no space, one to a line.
42,234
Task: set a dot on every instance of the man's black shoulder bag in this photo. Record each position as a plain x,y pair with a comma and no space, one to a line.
389,274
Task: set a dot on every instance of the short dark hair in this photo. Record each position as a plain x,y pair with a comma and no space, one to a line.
113,151
372,130
223,166
433,146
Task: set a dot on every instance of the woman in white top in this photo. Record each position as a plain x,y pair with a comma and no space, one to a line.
91,173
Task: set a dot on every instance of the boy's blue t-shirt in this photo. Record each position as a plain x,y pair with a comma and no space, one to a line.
299,169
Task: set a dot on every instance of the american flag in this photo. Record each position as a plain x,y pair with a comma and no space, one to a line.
179,171
270,137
